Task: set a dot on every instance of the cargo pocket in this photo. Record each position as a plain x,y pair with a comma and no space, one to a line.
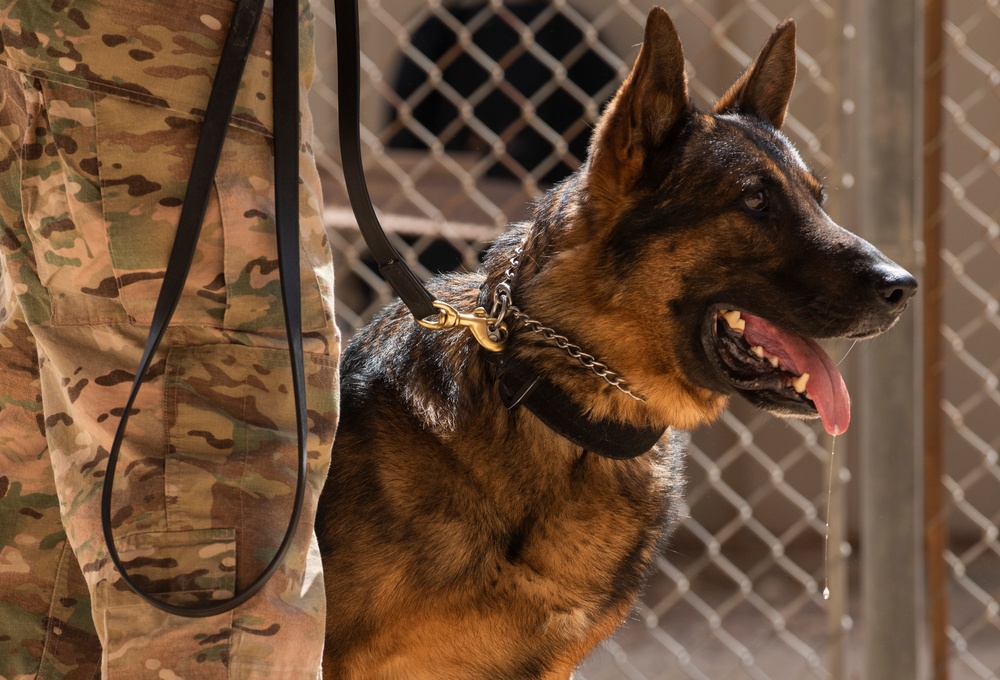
178,567
181,567
145,155
103,182
231,442
61,205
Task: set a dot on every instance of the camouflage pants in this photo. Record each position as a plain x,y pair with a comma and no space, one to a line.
99,116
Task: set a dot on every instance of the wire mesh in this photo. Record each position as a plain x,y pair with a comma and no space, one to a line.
459,99
970,327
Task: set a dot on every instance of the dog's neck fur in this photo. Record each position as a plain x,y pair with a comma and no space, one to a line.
548,244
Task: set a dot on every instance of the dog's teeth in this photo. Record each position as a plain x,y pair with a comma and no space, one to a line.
733,319
758,351
774,361
799,384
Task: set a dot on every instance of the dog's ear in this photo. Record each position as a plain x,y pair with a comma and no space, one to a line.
766,86
652,100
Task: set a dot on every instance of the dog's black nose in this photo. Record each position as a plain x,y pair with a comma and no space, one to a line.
896,287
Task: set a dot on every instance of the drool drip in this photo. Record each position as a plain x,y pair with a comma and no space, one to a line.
826,539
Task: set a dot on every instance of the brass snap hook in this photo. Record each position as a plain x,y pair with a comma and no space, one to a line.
479,323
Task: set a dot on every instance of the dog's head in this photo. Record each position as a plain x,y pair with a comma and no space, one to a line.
702,236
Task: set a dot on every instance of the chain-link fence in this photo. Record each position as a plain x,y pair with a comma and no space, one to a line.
971,333
473,108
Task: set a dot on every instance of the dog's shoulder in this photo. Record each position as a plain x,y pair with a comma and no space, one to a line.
394,360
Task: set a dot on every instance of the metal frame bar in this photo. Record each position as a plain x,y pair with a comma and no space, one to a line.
890,441
935,507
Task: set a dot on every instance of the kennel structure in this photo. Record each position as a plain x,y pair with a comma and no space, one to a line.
472,108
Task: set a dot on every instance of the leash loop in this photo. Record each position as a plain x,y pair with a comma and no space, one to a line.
478,323
215,123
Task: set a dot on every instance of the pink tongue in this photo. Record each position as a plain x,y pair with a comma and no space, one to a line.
798,355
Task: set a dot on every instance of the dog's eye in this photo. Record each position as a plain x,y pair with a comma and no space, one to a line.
756,200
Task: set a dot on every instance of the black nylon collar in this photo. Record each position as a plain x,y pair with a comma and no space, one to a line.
520,385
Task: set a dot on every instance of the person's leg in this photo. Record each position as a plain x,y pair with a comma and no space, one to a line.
204,487
202,496
46,630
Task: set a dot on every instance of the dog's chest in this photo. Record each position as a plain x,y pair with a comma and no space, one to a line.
584,540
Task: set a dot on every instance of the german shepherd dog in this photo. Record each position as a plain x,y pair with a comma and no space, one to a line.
495,514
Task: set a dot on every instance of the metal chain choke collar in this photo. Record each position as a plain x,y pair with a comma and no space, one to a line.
503,305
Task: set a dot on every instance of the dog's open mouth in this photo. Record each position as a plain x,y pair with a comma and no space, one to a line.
777,370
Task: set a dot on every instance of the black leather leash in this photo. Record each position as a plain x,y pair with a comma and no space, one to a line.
392,267
285,97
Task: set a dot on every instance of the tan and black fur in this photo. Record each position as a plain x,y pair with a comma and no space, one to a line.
461,539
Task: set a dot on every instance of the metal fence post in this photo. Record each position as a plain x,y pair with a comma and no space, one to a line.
889,433
935,505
